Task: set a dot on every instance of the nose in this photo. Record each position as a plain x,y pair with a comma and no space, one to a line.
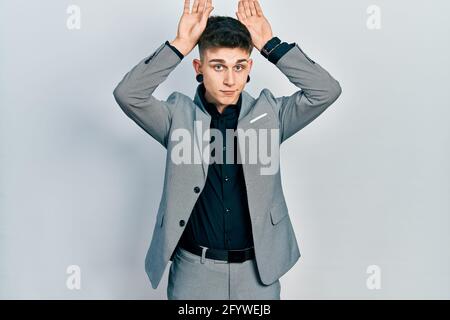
229,78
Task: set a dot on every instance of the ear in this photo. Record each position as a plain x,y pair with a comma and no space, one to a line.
197,66
250,64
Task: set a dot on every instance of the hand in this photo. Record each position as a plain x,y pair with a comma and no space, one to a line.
251,15
192,24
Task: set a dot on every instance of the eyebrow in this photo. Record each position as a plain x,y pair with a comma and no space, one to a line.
223,61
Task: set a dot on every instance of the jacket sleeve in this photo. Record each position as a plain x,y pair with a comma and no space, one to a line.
134,93
318,90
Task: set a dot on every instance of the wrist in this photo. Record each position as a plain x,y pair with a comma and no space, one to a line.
182,45
263,42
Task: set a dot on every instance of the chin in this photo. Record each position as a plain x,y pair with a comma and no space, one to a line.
227,100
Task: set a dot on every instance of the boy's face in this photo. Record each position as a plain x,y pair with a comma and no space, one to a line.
224,69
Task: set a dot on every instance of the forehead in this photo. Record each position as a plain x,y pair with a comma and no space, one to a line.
228,55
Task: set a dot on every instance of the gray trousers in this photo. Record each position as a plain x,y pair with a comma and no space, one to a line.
193,277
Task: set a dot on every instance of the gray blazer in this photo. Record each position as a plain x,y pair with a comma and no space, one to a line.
276,247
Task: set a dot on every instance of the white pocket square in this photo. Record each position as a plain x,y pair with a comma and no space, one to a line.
258,117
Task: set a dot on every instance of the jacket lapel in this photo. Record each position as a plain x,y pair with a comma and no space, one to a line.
201,124
203,121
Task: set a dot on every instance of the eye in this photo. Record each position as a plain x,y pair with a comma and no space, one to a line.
240,67
218,67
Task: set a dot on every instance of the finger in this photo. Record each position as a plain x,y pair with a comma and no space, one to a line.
248,13
195,7
258,8
240,17
241,9
201,6
207,11
255,9
251,4
206,15
187,5
208,5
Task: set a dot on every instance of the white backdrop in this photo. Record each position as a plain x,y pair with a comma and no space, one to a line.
367,183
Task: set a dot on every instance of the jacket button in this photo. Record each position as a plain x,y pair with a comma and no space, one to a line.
181,223
196,189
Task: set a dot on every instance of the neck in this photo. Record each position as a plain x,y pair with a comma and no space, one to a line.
220,107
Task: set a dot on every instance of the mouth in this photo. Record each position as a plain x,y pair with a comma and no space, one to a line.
228,93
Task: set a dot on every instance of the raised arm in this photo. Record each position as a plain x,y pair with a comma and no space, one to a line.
318,88
134,93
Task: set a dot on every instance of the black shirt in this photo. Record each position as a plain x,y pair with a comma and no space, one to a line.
220,218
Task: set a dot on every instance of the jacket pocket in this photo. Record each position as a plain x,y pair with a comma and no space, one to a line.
278,212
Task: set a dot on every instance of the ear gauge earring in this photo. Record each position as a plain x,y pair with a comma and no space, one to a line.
199,77
248,79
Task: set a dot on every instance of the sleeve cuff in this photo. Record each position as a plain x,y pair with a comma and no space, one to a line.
175,50
280,51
